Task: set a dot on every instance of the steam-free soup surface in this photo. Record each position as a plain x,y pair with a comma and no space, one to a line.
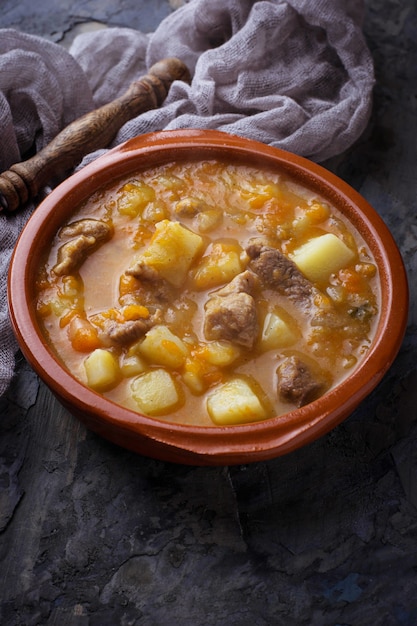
209,293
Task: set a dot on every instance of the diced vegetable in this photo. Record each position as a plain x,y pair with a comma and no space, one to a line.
135,312
171,251
193,376
221,265
155,392
198,374
134,197
155,212
208,220
315,213
276,332
132,365
83,335
219,353
257,194
102,369
128,284
162,347
235,402
189,207
322,256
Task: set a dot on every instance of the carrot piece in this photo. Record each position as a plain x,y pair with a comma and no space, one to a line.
135,312
352,281
128,284
83,335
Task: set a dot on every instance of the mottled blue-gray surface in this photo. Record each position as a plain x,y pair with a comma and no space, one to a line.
92,535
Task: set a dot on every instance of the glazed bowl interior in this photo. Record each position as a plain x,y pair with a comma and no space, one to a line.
196,444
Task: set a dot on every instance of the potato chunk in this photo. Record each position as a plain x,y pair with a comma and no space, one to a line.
162,347
220,266
235,402
321,256
132,365
171,252
134,197
155,392
219,353
102,370
276,332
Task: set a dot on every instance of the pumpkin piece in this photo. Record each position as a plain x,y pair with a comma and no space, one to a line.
83,335
220,266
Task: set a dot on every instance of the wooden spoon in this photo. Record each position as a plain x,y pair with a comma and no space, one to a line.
94,130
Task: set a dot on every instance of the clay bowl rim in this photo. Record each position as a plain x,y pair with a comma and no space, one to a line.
211,445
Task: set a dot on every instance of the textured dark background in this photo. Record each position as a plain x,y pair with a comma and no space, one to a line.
93,535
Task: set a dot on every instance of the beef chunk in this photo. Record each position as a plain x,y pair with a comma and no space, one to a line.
115,333
98,229
278,272
245,282
86,235
143,271
232,318
296,382
73,254
230,314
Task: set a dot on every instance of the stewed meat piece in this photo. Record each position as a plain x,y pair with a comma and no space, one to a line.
73,254
296,382
278,272
113,332
230,313
86,235
89,227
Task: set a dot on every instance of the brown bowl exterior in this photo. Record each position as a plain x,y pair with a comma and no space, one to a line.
193,444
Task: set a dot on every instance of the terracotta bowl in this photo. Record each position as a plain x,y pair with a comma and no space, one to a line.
192,444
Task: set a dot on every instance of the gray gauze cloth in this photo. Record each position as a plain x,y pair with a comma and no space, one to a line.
294,74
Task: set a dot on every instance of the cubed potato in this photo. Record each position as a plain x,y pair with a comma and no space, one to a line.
220,266
134,197
192,376
155,392
155,212
220,353
235,402
102,370
171,251
162,347
132,365
209,220
321,256
277,332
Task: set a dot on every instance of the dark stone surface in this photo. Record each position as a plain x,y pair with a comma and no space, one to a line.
93,535
53,19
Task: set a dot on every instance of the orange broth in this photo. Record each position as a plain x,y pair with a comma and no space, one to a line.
227,206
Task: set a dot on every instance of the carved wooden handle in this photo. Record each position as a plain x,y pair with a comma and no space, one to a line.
94,130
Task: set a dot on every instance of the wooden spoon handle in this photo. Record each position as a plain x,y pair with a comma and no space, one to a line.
94,130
